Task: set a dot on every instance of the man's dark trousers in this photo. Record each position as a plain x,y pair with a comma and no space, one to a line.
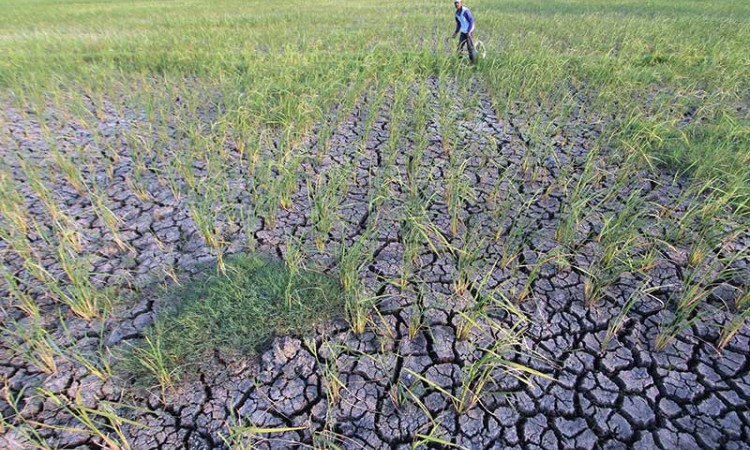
465,39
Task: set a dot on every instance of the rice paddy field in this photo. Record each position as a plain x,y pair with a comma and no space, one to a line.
311,225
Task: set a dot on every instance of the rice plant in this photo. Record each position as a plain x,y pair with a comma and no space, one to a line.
325,198
468,256
479,375
16,423
205,210
243,437
98,364
104,423
742,308
70,169
458,191
83,298
155,359
618,322
34,344
24,300
332,380
689,304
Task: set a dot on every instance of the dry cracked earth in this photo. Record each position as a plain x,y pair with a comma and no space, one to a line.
616,394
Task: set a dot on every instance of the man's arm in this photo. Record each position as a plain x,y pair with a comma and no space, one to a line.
470,18
458,27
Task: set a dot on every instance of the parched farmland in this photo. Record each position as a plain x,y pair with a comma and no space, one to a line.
242,224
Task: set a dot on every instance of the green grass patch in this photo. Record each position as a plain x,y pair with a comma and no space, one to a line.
236,313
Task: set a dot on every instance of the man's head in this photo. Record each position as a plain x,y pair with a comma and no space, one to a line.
457,4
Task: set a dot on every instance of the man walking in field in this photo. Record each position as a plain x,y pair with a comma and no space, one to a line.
464,24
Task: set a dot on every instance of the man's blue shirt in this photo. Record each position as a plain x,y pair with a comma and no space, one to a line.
464,20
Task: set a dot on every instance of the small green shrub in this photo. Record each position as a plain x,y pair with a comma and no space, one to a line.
236,313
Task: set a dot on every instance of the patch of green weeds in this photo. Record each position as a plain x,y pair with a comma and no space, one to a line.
237,312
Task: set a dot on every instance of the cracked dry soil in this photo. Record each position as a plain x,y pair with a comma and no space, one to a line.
624,394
